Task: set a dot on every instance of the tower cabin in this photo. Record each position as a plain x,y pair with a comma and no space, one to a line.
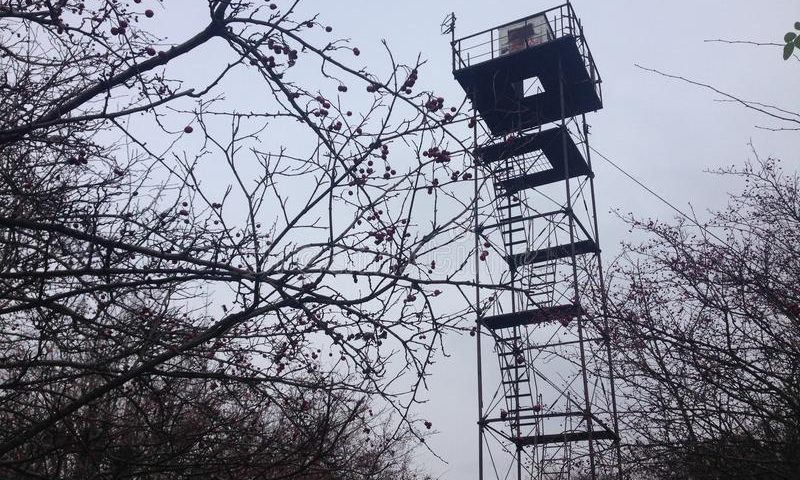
516,74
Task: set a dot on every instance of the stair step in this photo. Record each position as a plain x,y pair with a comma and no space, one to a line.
512,367
509,339
541,275
508,206
515,242
524,409
506,354
521,380
525,424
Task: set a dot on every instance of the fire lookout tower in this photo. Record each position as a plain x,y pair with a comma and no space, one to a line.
550,412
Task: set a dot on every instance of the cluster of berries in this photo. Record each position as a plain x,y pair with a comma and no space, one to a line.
409,83
434,104
441,156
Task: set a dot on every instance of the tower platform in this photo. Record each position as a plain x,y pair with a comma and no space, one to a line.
566,437
532,317
556,252
493,66
526,169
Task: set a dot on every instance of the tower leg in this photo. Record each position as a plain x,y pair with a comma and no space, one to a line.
478,311
604,306
587,408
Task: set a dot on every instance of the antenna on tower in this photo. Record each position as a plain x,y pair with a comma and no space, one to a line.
449,25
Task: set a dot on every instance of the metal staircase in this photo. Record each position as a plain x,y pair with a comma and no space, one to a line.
511,349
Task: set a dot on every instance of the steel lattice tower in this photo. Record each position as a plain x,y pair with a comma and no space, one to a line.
553,412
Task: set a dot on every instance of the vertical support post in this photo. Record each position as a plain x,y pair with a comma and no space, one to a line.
478,310
587,410
604,306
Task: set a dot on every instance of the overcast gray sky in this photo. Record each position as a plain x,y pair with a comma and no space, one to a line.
664,132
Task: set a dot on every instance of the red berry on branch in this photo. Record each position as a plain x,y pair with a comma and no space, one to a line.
148,13
188,129
356,51
328,29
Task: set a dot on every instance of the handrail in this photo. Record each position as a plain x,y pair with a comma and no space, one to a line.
554,19
561,21
497,27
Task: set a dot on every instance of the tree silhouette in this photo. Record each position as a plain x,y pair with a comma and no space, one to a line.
248,210
707,335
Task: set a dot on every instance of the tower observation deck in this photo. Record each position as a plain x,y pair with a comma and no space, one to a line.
549,412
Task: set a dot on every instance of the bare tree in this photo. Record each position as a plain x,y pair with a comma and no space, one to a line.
708,336
168,427
163,229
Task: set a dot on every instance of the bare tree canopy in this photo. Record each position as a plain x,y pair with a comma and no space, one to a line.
200,237
708,336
